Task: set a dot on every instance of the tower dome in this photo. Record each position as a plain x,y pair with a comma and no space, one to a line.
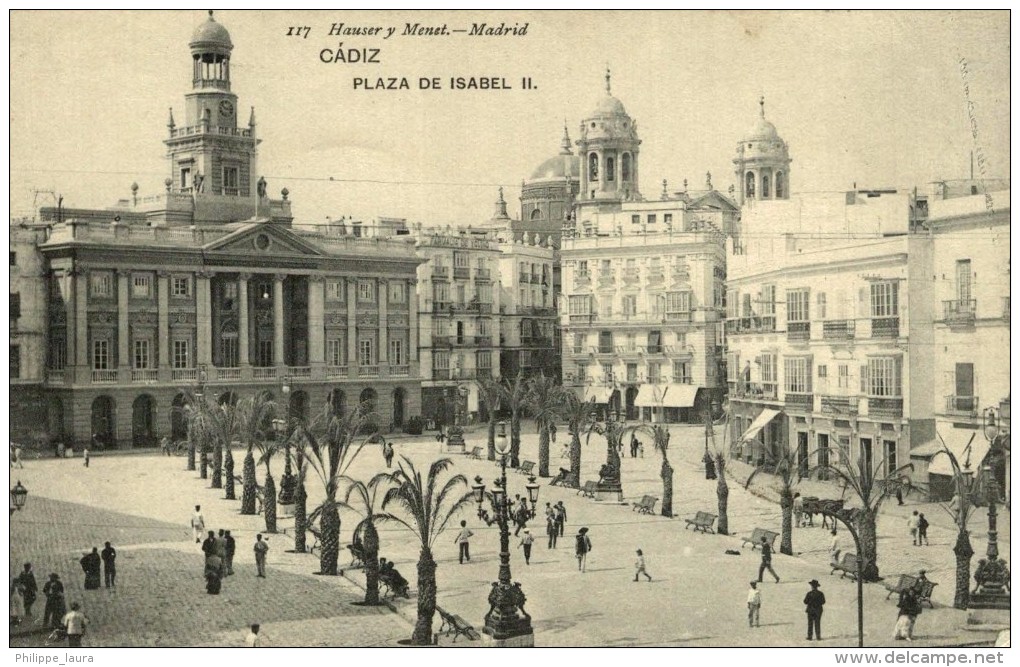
608,152
762,164
210,36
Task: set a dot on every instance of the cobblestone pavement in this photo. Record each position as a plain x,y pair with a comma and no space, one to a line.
696,598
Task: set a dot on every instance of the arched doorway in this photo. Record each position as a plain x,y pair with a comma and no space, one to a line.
631,397
614,405
298,407
142,432
55,419
337,402
178,419
368,397
103,423
398,407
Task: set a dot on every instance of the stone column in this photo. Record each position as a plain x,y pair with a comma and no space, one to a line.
163,299
352,327
316,326
384,295
203,318
278,356
123,333
71,325
412,320
81,324
242,319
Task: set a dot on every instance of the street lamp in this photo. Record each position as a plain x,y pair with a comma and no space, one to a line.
992,573
506,621
288,482
19,494
532,487
835,510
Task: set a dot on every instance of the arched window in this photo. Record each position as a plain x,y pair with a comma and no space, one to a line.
536,214
749,188
625,167
780,186
593,167
610,169
764,187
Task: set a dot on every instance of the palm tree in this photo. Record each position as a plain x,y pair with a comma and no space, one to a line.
660,440
722,489
225,429
330,451
488,391
543,402
579,415
255,414
189,409
964,484
267,449
300,498
613,432
366,494
427,513
871,487
513,394
783,463
228,471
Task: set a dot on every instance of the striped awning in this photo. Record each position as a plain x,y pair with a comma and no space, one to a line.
759,423
600,394
649,396
680,396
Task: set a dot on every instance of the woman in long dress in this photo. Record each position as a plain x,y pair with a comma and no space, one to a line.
17,602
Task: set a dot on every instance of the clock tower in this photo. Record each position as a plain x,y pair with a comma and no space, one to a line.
210,156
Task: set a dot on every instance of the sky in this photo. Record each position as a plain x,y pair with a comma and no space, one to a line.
866,97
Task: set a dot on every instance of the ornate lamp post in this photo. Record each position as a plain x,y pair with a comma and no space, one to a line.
288,483
455,443
835,510
506,623
707,458
19,494
992,574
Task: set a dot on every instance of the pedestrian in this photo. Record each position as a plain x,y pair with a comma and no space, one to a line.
766,561
29,588
561,516
913,521
582,547
74,623
213,578
909,609
754,606
221,551
164,445
231,548
552,530
85,454
209,546
109,556
834,548
798,510
641,449
814,601
639,566
197,524
899,495
387,450
463,539
254,639
17,602
17,456
91,564
55,606
261,549
633,446
922,529
526,542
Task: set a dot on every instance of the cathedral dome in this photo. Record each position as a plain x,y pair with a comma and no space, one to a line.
762,130
609,106
211,34
558,167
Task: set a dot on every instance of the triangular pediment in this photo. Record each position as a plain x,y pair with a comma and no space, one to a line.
263,238
713,199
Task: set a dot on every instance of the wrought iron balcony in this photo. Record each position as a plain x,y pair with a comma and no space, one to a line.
800,401
839,405
960,313
336,372
885,407
885,327
483,274
441,341
144,375
461,272
679,316
839,329
798,331
440,273
739,389
104,376
963,405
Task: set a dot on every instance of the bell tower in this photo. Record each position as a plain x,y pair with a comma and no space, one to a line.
762,164
210,155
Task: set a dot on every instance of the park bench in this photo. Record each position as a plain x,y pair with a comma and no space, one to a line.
457,625
589,489
393,589
924,588
357,550
755,538
847,565
646,505
526,468
475,453
702,521
567,479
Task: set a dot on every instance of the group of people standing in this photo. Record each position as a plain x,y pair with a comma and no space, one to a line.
24,592
95,563
219,551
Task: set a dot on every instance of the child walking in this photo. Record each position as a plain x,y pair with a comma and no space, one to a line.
639,566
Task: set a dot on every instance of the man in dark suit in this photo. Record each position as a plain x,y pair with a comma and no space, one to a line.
814,601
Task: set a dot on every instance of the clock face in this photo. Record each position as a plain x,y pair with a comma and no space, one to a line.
226,109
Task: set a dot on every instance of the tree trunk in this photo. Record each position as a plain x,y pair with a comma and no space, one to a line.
203,462
543,451
371,545
217,466
422,635
491,453
868,559
964,552
666,472
722,492
191,454
786,503
329,523
228,473
575,459
515,440
300,516
269,503
248,484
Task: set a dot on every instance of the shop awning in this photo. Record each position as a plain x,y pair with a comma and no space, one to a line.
957,440
759,423
680,396
600,394
649,396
